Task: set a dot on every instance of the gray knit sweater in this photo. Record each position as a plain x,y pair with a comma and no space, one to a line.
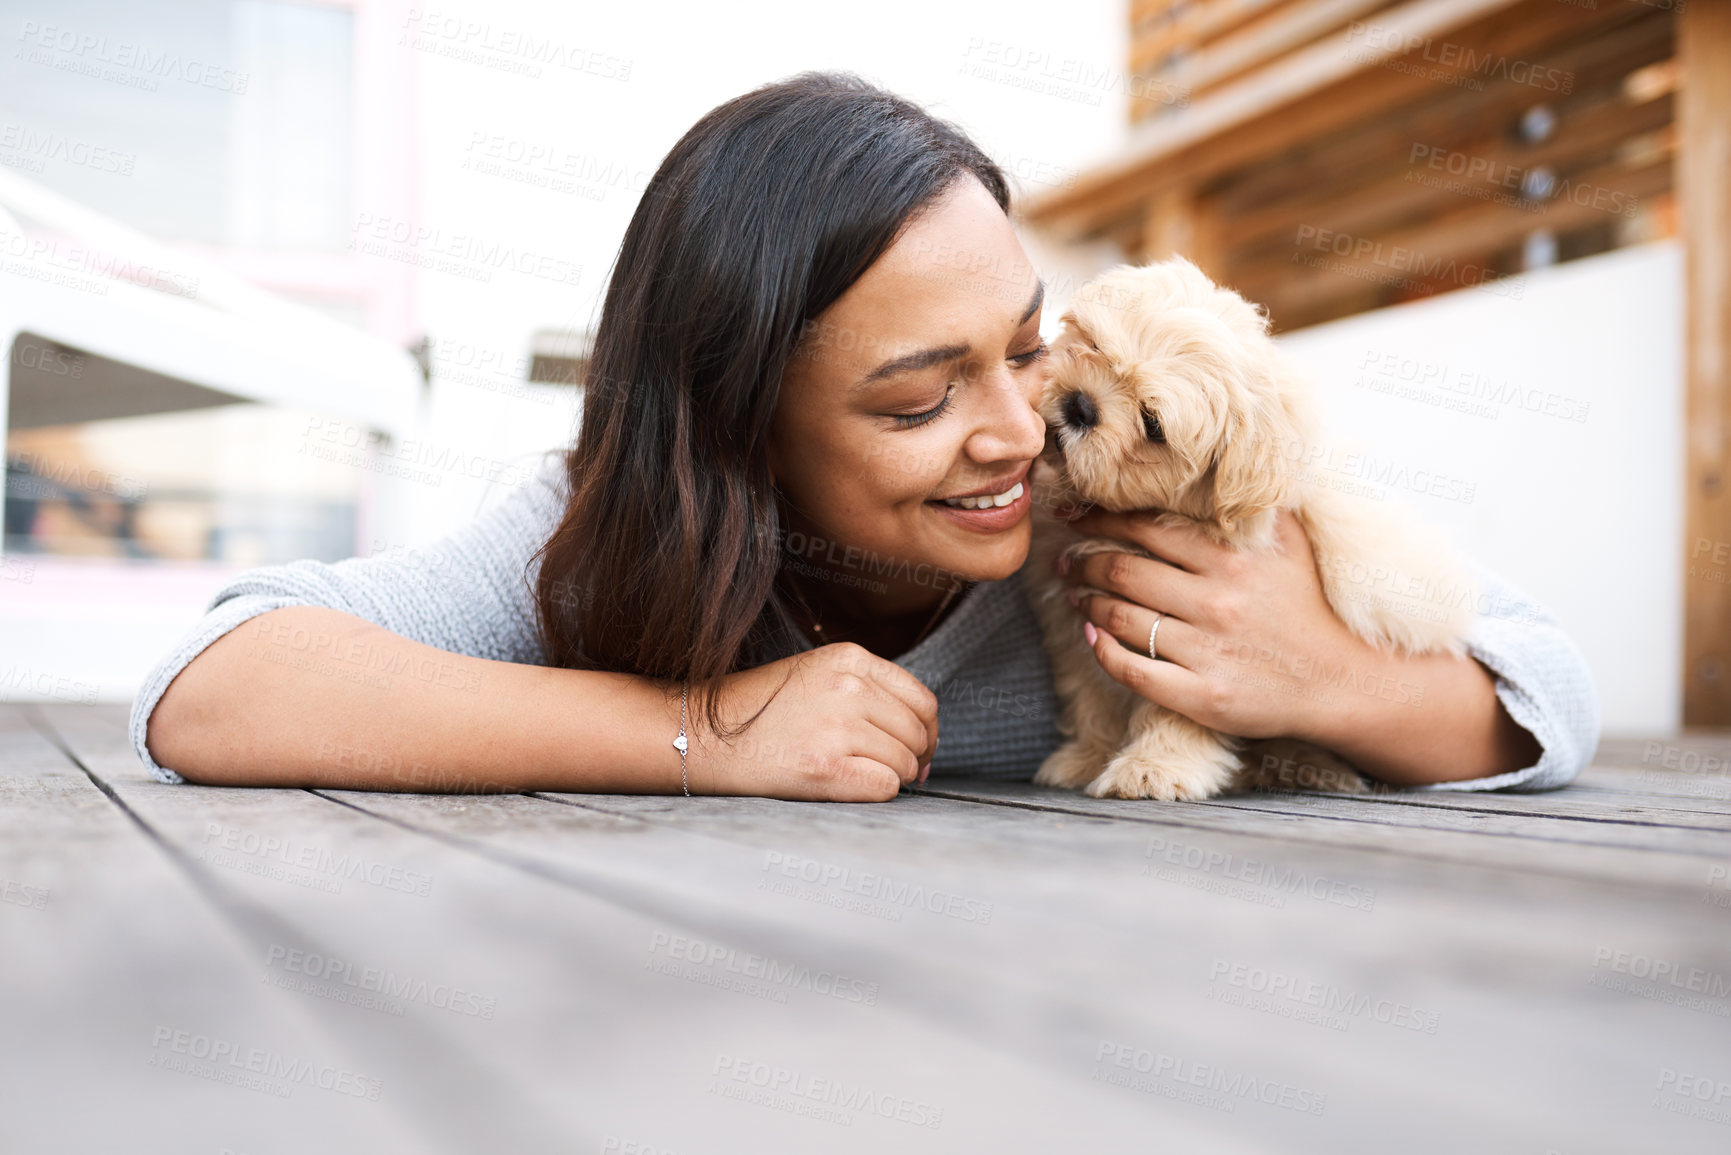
469,594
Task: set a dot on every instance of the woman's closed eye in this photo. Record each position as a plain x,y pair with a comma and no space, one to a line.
914,420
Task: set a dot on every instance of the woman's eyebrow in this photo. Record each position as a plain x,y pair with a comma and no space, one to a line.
1034,304
937,355
923,359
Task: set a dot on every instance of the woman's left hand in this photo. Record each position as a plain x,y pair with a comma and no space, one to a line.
1250,646
1244,636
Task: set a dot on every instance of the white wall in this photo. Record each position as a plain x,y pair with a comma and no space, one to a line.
1587,515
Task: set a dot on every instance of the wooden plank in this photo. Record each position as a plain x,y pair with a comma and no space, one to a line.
1003,1022
1191,26
1704,175
1462,241
1368,205
590,1038
1182,224
1253,45
1570,804
1600,65
108,955
1673,861
1309,94
961,1035
298,878
1063,909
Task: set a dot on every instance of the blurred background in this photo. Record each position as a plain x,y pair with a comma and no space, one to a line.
316,279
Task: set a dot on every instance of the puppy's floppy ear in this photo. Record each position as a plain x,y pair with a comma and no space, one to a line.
1262,431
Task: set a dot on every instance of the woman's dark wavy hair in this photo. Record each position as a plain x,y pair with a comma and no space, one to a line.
666,562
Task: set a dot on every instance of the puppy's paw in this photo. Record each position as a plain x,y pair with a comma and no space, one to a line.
1070,767
1169,778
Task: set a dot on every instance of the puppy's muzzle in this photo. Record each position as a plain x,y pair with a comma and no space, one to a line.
1080,411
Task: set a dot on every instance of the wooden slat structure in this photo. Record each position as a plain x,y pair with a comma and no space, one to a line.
971,967
1705,179
1326,157
1329,157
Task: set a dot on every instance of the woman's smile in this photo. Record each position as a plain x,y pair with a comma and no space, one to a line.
991,508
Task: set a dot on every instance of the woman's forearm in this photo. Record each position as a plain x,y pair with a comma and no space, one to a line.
307,696
1421,720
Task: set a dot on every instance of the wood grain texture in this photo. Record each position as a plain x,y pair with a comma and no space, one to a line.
108,954
1294,973
1704,176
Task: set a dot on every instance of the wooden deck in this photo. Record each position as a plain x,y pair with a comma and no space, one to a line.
972,968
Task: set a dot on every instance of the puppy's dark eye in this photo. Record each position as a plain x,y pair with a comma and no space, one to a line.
1151,426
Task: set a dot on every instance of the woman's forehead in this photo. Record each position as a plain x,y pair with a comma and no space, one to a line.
959,266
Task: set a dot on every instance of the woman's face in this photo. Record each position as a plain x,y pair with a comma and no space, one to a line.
918,386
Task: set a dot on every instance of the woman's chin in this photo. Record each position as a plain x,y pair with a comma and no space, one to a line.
991,557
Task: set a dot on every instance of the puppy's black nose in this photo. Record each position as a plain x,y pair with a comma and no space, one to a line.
1079,411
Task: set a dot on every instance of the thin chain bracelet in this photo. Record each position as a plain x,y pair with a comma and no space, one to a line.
679,742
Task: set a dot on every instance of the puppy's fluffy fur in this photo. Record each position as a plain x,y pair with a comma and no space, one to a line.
1167,393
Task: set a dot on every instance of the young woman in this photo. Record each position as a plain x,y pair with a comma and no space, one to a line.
790,531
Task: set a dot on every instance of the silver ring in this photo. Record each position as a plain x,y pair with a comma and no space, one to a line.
1152,630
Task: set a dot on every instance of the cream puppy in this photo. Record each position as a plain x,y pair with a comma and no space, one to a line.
1166,392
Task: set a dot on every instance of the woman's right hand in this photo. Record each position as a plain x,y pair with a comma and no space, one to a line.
848,726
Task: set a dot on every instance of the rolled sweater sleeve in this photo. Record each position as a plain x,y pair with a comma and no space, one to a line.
1542,681
469,593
